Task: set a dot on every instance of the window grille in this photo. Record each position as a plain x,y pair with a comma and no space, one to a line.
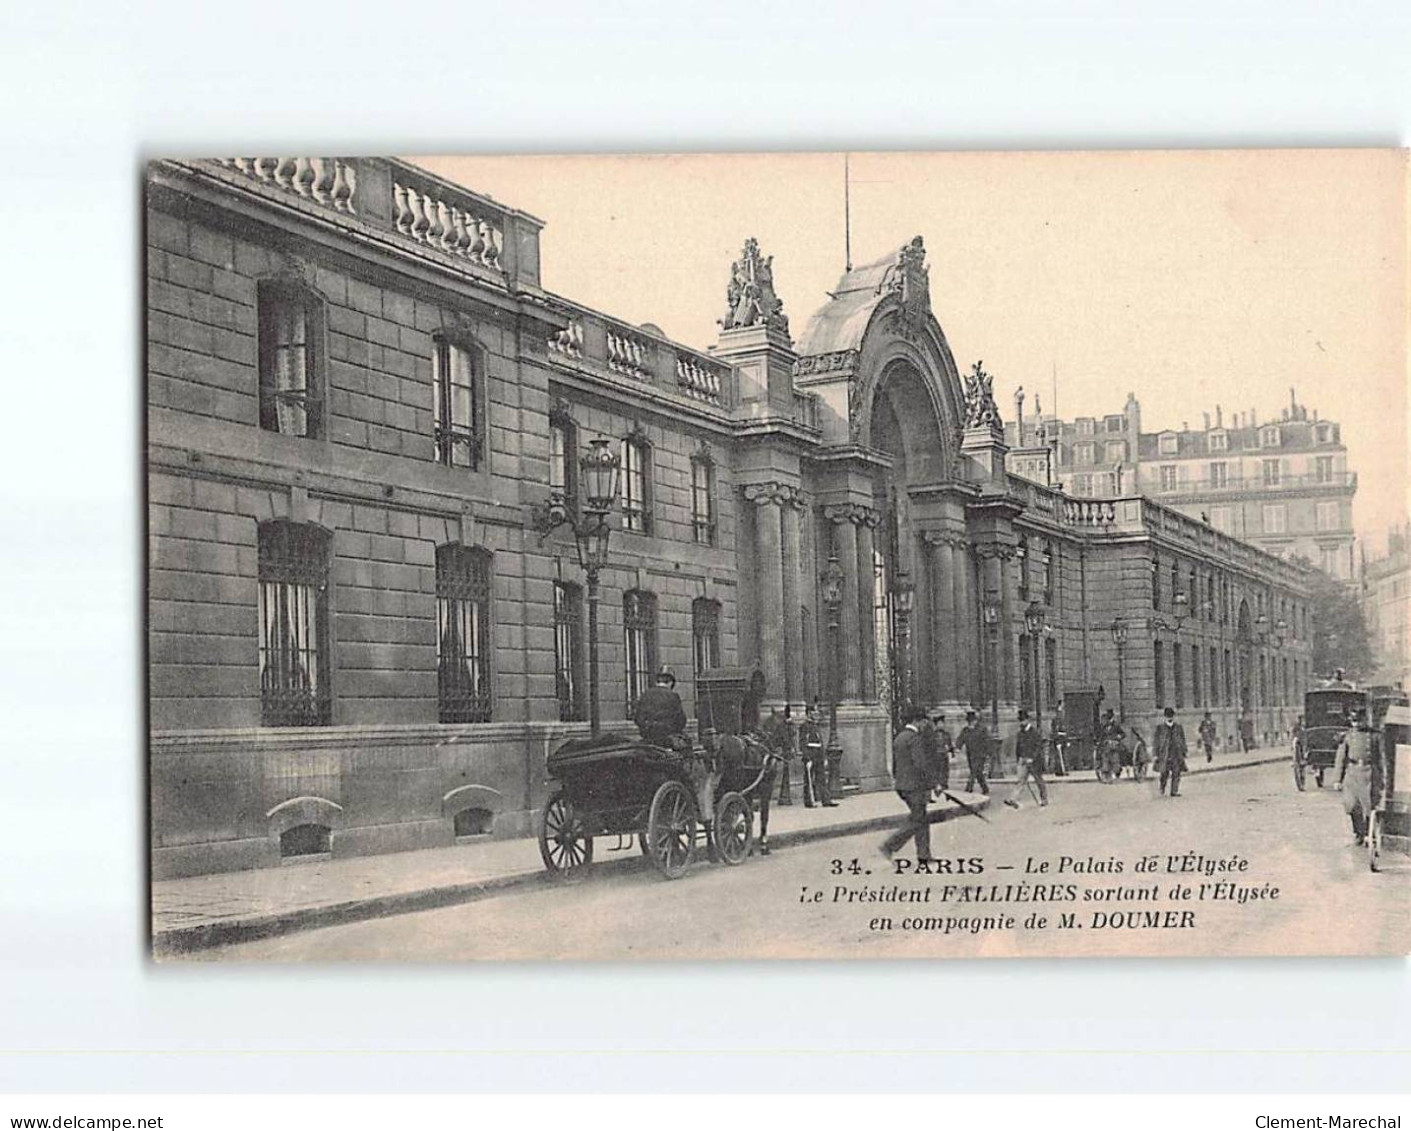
636,485
463,634
288,355
568,619
703,500
455,405
293,625
639,626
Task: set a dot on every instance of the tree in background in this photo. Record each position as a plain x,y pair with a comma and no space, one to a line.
1340,638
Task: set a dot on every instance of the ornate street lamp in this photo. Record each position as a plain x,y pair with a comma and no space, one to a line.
903,601
831,584
1119,637
592,530
1034,626
989,610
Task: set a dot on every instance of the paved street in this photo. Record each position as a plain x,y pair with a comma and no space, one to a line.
1327,901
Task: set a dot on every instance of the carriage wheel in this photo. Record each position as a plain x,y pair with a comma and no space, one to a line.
564,842
1299,773
671,829
1374,842
734,828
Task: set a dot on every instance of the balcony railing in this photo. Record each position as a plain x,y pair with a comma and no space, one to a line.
1255,483
455,225
592,341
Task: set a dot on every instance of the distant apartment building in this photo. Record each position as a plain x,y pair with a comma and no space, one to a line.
1386,604
1281,484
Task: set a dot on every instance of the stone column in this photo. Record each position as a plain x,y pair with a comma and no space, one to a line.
845,547
794,679
867,596
1008,645
769,583
969,638
947,633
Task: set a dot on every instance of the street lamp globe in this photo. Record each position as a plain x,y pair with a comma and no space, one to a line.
599,465
905,593
832,582
990,611
593,542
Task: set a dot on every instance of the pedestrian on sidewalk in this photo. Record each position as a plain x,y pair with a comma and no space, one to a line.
974,740
815,762
1169,742
938,744
1207,737
913,777
1353,768
779,733
1029,752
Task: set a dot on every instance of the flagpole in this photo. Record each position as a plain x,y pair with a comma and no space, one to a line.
847,217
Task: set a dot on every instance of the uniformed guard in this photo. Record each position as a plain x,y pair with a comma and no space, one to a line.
815,762
1207,736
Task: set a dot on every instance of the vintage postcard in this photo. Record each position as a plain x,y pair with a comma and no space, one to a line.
848,556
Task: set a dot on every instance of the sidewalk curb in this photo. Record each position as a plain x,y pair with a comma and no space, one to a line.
1087,777
178,941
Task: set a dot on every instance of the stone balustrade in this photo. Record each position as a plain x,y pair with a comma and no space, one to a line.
443,222
629,354
698,380
330,181
569,340
1090,512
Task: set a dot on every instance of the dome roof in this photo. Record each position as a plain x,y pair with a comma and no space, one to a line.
842,321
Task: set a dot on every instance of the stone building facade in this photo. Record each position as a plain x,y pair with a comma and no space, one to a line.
362,400
1281,483
1386,604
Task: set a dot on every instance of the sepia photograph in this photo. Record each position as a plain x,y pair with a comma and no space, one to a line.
853,556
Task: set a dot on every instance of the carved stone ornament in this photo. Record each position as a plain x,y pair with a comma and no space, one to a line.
772,494
750,298
945,538
909,280
855,513
838,361
980,407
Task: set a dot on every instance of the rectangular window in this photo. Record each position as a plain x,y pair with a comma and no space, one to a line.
1155,584
1114,483
1218,442
1048,571
1323,469
1220,519
1328,518
1169,444
1275,519
1219,475
454,405
1026,672
1050,672
1158,680
1021,561
1229,696
1196,686
1114,423
1167,473
289,318
463,640
563,460
703,501
1115,451
1270,471
1179,673
1083,486
1085,452
568,619
293,625
1328,558
1215,678
705,634
1085,426
636,486
639,628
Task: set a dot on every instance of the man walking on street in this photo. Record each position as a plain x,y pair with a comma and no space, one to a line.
938,746
1207,736
974,740
1170,746
1029,751
913,778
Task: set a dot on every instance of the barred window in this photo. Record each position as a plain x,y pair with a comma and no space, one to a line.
636,485
1179,673
705,634
1021,558
703,499
1026,671
293,615
568,650
463,634
1196,686
1158,674
1215,679
290,329
1051,670
1048,562
455,405
1155,583
639,628
563,459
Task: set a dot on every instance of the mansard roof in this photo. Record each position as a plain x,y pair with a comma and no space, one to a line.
840,323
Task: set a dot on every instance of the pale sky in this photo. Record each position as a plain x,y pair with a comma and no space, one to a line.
1189,278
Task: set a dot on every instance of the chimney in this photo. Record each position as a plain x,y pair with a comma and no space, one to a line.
1253,421
1207,420
1315,416
1284,415
1019,414
1293,400
1219,417
1185,426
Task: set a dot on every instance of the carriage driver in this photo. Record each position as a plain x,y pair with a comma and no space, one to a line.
659,716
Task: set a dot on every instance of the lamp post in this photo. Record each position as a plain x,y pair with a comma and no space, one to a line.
989,609
1119,637
904,598
832,586
598,469
1034,626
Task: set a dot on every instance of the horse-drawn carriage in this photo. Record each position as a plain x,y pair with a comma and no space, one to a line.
618,785
1328,712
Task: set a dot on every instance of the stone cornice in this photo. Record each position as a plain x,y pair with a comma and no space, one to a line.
773,493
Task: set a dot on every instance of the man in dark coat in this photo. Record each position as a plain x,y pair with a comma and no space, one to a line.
815,762
913,778
659,715
1169,748
1029,752
1207,736
974,740
938,745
